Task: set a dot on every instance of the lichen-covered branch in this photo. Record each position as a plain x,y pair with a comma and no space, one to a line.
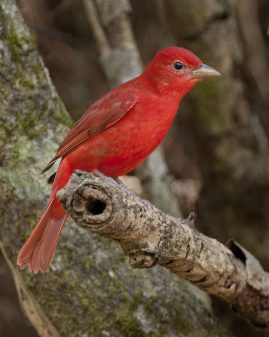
151,237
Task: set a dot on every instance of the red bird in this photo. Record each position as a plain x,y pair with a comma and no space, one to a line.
114,136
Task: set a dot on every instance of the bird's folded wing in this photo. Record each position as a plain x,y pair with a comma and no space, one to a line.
107,111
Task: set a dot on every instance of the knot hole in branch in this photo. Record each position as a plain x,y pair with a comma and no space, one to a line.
92,204
95,206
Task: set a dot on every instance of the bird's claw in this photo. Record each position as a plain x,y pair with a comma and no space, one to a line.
99,174
118,181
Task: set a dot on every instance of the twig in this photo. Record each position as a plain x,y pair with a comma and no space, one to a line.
98,32
30,306
152,237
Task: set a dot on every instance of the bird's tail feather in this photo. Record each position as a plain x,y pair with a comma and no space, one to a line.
38,250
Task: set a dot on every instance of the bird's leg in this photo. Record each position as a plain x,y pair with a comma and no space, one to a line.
118,181
99,174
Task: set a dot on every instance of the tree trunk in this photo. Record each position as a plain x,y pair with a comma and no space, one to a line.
89,290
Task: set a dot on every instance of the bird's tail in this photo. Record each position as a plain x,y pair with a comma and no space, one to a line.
38,250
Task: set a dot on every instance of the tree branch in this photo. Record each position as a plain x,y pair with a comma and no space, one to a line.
98,32
152,237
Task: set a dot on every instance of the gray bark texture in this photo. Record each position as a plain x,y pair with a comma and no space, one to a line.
89,290
152,237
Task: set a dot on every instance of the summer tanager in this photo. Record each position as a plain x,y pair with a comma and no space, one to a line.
114,136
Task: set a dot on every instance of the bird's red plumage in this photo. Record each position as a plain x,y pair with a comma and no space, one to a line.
114,136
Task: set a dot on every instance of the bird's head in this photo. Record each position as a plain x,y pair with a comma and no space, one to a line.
177,69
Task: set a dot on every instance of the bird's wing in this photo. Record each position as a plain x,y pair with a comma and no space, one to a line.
107,111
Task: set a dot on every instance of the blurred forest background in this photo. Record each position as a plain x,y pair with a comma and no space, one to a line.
215,159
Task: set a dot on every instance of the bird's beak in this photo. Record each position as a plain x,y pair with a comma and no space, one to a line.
204,71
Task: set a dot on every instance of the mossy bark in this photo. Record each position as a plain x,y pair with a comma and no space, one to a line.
89,290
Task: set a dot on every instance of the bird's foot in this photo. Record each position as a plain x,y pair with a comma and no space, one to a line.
118,181
99,174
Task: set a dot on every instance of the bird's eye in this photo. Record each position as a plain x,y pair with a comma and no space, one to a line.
178,65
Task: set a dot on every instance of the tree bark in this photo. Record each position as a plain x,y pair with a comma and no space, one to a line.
89,290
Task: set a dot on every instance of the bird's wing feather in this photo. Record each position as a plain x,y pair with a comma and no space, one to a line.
104,113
